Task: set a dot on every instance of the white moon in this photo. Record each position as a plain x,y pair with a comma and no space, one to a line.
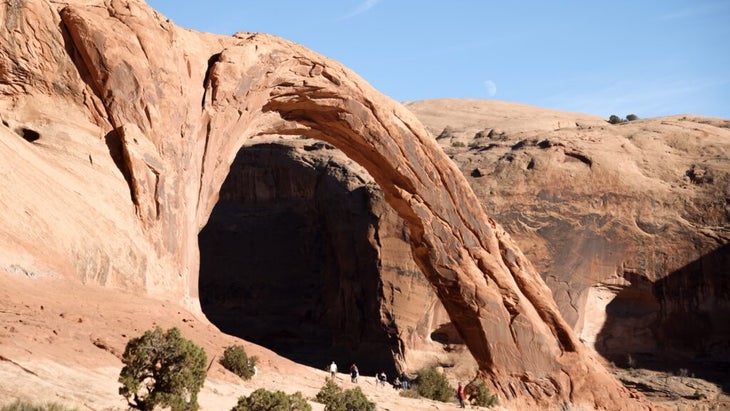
491,87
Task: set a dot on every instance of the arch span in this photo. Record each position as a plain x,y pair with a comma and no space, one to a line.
495,298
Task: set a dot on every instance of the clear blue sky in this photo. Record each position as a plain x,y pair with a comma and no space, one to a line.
646,57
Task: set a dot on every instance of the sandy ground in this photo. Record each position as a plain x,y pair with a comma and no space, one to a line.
60,341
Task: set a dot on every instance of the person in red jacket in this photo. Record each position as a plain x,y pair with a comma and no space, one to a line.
460,395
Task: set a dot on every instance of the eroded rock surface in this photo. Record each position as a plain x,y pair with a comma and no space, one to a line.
129,125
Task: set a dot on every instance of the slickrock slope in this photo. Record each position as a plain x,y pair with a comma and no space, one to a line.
119,129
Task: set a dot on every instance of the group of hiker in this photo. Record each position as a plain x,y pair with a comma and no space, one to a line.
400,382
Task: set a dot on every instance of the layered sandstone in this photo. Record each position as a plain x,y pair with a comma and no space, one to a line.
119,129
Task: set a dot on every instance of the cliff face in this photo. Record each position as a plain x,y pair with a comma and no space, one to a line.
119,130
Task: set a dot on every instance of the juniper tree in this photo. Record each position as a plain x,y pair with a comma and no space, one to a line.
162,369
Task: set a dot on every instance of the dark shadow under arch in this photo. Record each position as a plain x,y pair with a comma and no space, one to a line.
288,259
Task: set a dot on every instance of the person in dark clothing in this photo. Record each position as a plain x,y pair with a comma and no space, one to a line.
404,380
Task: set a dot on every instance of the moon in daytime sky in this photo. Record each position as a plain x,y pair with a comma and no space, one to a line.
491,87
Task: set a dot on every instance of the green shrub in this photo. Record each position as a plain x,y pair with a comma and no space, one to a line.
434,385
353,399
335,399
162,369
632,117
479,394
236,361
329,392
614,119
264,400
457,144
19,405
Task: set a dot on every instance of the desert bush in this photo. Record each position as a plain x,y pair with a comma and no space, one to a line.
480,395
632,117
699,175
457,144
264,400
335,399
162,369
353,399
434,385
614,119
236,361
329,392
19,405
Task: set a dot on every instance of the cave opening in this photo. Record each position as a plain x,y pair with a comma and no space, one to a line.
289,258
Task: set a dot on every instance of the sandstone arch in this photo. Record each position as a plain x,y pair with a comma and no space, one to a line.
180,104
483,280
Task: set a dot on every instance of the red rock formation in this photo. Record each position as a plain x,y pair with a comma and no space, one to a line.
131,124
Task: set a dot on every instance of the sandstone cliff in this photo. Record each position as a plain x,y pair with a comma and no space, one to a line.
119,129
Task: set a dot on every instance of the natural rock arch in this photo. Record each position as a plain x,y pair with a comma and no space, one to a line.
481,277
179,105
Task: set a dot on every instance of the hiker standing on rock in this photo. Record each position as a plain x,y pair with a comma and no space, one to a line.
333,370
354,373
460,395
382,378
